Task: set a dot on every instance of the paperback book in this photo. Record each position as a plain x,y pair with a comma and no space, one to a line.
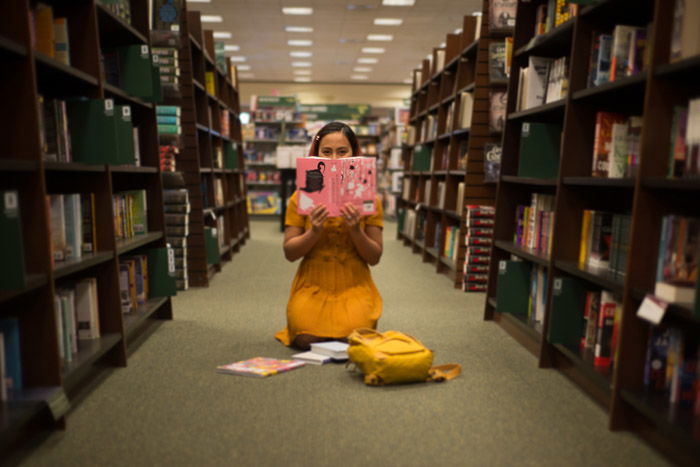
335,349
335,182
259,367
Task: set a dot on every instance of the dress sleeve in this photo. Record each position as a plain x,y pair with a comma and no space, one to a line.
376,219
292,217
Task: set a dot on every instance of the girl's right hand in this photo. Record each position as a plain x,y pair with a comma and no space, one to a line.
318,216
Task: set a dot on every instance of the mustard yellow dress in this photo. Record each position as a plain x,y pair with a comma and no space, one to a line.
333,291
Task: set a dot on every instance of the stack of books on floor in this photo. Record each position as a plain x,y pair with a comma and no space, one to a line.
177,211
324,352
478,240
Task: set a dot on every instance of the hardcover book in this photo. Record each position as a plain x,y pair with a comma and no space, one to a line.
335,349
259,367
335,182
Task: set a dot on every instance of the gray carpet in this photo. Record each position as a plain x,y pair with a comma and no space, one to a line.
169,406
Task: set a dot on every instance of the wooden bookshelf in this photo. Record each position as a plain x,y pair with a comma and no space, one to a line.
648,196
457,153
202,109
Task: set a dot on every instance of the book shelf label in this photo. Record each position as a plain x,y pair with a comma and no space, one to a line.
652,309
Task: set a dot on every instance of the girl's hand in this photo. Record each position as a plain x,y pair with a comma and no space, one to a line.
351,215
318,216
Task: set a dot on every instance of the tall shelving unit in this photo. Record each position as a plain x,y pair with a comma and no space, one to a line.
465,70
49,382
216,190
648,196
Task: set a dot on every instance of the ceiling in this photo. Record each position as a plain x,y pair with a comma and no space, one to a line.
340,29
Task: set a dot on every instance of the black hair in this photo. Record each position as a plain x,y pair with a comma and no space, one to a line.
335,127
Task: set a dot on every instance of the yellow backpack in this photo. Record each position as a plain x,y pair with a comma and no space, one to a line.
394,357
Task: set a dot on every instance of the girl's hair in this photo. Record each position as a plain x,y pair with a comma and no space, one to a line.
334,127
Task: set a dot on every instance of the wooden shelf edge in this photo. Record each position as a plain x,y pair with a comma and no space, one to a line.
92,350
521,252
133,320
86,261
125,246
102,10
627,81
604,278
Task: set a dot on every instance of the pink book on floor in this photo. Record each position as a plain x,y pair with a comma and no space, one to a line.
334,182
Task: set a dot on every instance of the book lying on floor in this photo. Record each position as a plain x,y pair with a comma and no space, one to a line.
335,349
259,367
334,182
312,358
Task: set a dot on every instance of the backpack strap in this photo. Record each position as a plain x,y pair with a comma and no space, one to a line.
446,372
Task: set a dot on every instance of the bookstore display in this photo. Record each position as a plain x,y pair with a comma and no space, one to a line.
597,231
93,246
452,157
390,168
199,133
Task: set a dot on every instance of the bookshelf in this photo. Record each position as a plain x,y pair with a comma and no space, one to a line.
644,194
51,381
211,157
449,126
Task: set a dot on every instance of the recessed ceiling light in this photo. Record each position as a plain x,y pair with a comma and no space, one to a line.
298,29
301,72
300,54
367,60
476,13
302,79
388,22
362,69
295,10
198,1
243,67
222,35
380,37
343,40
211,19
398,2
301,64
358,77
232,48
458,31
299,42
372,50
238,58
442,45
246,75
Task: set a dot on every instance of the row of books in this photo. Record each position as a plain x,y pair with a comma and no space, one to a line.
500,56
91,131
133,69
553,13
478,240
121,8
169,128
275,115
544,80
537,299
11,380
677,260
671,366
618,54
166,58
617,145
49,34
265,132
684,160
77,316
130,210
269,176
286,155
73,225
176,201
685,35
133,282
265,202
604,240
535,224
260,156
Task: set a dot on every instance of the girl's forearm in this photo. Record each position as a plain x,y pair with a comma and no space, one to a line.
368,249
297,247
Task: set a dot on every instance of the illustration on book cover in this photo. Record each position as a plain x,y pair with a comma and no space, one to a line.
334,182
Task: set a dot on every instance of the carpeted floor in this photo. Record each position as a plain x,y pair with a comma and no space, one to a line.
169,406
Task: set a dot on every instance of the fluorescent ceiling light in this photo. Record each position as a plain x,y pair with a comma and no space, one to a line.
243,67
298,29
362,69
301,72
380,37
358,77
301,64
398,2
238,58
458,31
295,10
299,42
211,19
232,48
222,35
302,79
476,13
246,75
300,54
372,50
367,60
198,1
388,21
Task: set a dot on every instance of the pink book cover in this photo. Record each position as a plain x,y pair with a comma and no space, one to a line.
259,367
334,182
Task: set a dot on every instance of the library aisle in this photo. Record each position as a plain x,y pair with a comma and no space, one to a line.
169,406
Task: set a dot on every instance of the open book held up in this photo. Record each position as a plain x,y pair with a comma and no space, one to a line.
334,182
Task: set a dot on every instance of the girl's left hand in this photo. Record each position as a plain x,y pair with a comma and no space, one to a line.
351,215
